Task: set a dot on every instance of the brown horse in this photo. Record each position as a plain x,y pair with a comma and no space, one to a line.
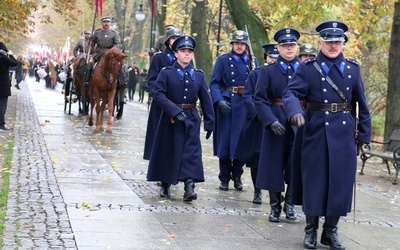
82,93
103,85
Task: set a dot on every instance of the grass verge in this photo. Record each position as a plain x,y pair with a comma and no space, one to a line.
4,185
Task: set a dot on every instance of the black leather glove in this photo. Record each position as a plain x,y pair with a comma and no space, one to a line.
277,128
180,117
359,145
297,120
224,106
209,132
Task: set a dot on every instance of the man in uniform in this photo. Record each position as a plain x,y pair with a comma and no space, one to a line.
159,61
330,135
82,46
226,88
306,51
248,147
102,40
177,154
273,169
160,44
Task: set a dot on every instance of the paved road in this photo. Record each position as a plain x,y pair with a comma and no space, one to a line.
73,189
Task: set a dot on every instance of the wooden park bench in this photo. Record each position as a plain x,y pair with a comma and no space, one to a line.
384,151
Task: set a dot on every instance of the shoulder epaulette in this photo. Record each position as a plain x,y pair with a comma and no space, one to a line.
157,53
309,60
352,61
166,67
199,70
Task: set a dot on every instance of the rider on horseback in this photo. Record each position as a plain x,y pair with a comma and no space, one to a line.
101,41
82,45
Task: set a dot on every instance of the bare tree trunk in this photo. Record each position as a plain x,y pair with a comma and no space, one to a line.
242,15
203,58
392,119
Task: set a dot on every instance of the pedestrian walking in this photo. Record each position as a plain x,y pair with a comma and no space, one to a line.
7,60
226,88
142,85
330,135
177,153
159,61
133,80
19,72
274,168
249,142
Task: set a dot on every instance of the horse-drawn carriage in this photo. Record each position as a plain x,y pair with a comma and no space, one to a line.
103,88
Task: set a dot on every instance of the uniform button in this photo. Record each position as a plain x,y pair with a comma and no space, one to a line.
232,73
323,78
289,77
184,97
230,58
233,94
289,67
231,65
348,66
327,112
187,81
327,123
233,80
324,90
325,101
349,76
186,89
347,88
344,122
186,73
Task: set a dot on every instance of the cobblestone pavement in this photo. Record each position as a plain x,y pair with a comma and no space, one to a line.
73,189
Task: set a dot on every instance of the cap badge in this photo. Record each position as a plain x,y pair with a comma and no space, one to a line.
334,25
288,31
240,34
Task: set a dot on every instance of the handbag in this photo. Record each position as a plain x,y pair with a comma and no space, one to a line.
41,73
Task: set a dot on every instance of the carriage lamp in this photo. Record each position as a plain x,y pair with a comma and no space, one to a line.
139,15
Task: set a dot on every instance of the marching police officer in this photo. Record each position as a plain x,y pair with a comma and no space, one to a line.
101,41
273,168
82,46
306,51
177,154
248,147
159,61
226,88
324,176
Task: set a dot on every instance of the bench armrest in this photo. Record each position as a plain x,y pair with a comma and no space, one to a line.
396,154
379,142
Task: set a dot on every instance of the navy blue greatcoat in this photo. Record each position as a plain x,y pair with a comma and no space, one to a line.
159,61
323,177
176,154
273,167
249,143
229,70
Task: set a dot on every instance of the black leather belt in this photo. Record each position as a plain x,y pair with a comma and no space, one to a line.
186,105
332,107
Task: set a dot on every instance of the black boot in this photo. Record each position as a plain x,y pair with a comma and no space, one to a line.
120,111
329,234
257,196
275,199
288,208
165,191
310,239
237,183
88,73
189,194
224,186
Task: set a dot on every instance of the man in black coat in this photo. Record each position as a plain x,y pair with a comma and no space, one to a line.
6,60
133,79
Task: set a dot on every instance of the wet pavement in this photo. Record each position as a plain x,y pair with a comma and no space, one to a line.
71,188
